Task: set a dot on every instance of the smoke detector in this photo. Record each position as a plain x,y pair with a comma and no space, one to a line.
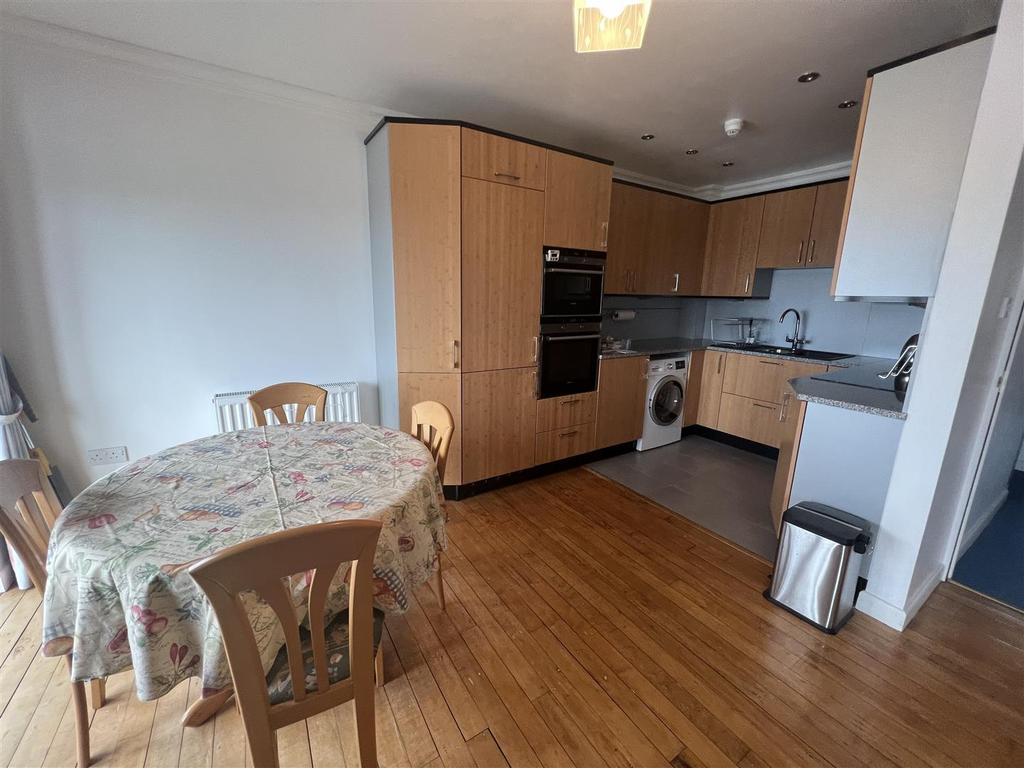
733,126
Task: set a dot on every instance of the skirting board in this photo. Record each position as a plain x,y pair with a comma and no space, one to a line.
892,616
974,531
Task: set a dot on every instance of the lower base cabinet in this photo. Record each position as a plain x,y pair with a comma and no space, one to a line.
499,420
621,399
564,442
710,390
754,420
790,427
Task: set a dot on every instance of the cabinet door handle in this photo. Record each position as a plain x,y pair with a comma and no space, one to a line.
573,401
569,434
675,285
800,252
507,175
746,283
604,234
785,406
455,353
762,405
768,362
810,254
720,359
536,348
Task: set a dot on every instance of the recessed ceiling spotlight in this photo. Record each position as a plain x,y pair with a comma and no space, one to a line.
808,77
728,164
847,104
692,151
647,137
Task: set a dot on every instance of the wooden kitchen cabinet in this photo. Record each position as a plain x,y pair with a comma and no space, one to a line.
755,420
489,157
791,424
785,228
734,229
691,400
444,388
711,380
629,230
675,264
501,275
577,197
558,412
621,399
425,220
826,224
499,417
564,442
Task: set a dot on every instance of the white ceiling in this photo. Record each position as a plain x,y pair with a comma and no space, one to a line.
511,66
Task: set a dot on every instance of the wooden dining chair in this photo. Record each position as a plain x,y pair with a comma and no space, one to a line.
277,396
26,518
334,663
433,425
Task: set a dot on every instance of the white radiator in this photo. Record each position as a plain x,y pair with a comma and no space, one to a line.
234,413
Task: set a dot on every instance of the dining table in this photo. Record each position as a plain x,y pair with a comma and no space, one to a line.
119,594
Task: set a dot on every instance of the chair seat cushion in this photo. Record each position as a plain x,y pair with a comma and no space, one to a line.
279,680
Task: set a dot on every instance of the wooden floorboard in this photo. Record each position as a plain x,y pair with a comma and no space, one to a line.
587,626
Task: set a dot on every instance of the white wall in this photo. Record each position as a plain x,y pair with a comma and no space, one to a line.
854,327
920,517
164,240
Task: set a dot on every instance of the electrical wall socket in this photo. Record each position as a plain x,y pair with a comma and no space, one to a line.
100,456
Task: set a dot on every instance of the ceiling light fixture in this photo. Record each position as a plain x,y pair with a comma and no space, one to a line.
808,77
647,137
609,25
728,164
692,151
847,104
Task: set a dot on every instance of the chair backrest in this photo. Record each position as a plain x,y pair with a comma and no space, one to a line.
261,565
26,515
276,397
433,425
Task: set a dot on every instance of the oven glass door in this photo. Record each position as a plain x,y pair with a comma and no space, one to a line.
568,364
570,292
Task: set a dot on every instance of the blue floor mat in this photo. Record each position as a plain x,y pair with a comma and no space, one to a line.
994,565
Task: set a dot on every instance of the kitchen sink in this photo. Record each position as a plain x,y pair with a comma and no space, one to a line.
803,354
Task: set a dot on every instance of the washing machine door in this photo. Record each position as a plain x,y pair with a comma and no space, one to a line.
666,404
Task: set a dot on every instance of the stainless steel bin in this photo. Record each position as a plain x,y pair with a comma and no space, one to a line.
818,562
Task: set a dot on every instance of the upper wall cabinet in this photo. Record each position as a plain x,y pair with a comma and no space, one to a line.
801,226
734,228
655,243
916,126
577,199
506,161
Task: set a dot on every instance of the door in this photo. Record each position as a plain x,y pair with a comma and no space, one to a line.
426,231
621,395
711,389
577,201
445,388
505,161
791,424
826,224
501,275
682,256
755,420
568,363
665,407
693,387
786,228
734,228
628,238
499,421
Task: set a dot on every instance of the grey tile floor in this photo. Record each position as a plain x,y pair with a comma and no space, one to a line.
717,486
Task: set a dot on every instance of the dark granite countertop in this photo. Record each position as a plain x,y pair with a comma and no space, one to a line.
851,382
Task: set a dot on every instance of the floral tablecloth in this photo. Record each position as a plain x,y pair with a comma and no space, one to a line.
119,593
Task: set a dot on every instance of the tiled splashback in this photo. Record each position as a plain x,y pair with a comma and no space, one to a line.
839,326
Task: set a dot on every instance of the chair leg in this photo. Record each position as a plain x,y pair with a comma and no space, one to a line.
378,666
439,585
81,719
97,693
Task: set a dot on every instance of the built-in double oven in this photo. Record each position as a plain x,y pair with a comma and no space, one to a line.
570,322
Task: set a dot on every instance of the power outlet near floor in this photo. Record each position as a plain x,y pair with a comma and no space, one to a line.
99,456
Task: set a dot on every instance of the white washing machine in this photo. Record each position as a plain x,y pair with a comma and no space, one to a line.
663,409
